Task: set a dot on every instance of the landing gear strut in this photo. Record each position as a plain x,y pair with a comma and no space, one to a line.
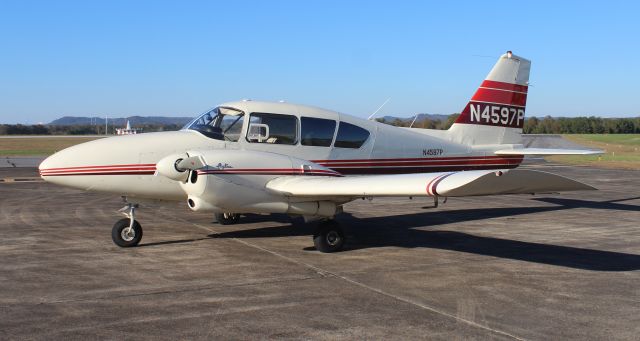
127,232
227,218
328,237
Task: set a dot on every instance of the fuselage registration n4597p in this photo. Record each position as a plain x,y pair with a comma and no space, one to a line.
265,157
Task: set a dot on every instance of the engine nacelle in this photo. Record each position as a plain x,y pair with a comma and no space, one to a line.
235,181
167,167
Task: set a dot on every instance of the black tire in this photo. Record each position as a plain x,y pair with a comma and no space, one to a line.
120,237
329,237
227,218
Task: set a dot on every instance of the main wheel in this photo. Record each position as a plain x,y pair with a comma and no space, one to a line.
227,218
329,237
124,236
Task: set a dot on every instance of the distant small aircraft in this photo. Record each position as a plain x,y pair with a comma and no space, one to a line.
263,157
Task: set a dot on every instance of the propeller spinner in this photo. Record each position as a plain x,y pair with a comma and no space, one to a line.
175,166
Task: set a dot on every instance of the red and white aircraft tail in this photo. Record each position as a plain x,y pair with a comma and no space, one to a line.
495,113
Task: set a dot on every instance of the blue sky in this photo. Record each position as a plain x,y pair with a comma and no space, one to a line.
179,58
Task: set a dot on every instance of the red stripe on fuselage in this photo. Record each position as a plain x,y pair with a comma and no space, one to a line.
270,171
101,173
411,170
337,167
100,170
423,163
419,159
147,165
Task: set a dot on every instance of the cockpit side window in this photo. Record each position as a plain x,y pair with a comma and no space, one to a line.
221,123
317,131
350,136
272,128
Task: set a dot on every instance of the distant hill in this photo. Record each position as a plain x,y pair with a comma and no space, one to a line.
421,117
163,120
121,121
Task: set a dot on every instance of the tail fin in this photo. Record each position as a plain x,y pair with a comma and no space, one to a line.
495,114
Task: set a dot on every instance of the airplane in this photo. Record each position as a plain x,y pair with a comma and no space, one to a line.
273,157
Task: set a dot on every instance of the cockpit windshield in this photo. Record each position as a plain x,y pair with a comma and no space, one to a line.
221,123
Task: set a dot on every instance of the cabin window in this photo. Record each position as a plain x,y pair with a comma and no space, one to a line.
350,136
272,128
317,131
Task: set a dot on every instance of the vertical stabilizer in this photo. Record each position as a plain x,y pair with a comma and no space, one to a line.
495,113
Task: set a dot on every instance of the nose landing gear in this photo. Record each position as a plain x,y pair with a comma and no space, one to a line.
127,232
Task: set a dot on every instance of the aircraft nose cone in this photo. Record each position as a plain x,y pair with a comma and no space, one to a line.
47,165
55,164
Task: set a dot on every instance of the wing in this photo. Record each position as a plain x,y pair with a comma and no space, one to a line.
547,151
454,184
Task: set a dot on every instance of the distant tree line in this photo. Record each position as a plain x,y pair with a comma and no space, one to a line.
39,129
546,125
582,125
533,125
424,123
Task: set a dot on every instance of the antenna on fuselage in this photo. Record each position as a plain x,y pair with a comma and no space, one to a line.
414,121
375,112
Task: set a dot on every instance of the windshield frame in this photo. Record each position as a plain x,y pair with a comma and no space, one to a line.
216,119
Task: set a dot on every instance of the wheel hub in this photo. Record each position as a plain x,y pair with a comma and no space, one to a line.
127,234
333,238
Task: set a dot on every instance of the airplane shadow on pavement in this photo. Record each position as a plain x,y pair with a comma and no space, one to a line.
400,231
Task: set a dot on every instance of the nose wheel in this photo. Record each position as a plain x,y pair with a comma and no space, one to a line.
127,232
329,237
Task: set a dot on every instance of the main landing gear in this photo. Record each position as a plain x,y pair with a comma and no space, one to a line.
328,236
127,232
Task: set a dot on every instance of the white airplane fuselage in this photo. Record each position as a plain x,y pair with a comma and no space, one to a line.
126,165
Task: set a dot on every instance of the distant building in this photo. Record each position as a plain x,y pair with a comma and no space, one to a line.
128,130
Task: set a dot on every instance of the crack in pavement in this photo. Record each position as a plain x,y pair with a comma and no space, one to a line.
164,292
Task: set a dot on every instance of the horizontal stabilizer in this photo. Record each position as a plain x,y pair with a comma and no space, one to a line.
454,184
547,151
